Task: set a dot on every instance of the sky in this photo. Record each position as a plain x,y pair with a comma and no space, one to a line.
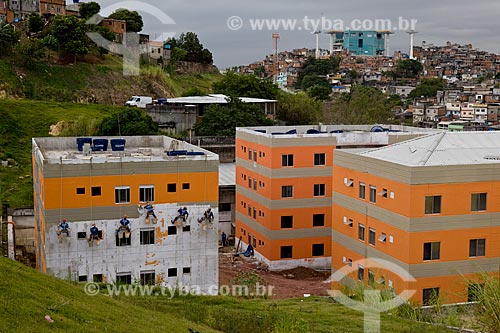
438,21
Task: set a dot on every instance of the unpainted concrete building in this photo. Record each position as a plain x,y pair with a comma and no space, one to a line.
91,185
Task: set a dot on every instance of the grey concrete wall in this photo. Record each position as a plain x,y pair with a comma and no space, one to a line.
70,257
172,119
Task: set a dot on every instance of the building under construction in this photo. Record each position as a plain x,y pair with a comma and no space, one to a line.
358,42
96,181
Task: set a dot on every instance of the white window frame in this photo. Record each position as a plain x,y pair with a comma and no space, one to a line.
120,188
145,188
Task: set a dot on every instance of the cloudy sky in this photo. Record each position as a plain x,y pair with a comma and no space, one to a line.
463,21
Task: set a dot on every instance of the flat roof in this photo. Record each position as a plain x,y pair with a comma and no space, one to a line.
441,149
214,99
57,150
330,130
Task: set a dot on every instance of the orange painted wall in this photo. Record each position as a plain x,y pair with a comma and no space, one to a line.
410,200
67,197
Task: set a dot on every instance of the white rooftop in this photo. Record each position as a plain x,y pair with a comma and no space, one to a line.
214,99
446,148
227,174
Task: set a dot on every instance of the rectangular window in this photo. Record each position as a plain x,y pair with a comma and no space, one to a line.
186,270
96,191
186,186
383,194
186,228
372,236
430,296
432,251
122,240
250,154
318,220
172,187
287,191
286,252
371,277
82,278
249,210
474,291
255,155
81,235
80,190
361,273
319,159
383,238
147,237
255,184
249,182
172,230
97,278
348,222
361,232
478,202
124,278
146,193
433,204
477,247
287,160
122,195
255,213
362,191
373,194
318,250
319,190
171,272
148,278
286,222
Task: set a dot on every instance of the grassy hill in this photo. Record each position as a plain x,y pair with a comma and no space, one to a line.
96,81
20,120
27,296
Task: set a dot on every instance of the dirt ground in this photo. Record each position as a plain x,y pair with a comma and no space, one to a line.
287,284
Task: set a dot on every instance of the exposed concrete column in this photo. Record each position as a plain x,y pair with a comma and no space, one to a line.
10,239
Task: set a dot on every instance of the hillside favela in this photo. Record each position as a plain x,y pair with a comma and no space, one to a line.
232,166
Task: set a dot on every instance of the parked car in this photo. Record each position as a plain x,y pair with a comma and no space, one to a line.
139,101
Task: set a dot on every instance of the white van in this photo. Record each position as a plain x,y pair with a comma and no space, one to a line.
139,101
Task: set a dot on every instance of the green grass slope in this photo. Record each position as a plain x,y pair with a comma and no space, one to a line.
27,296
20,120
101,82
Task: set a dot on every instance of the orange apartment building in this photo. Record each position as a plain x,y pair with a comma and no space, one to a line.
97,184
284,188
429,205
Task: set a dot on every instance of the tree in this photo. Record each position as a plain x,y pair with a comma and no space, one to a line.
314,80
189,48
8,38
89,9
222,120
30,51
319,92
362,106
245,86
314,68
298,109
70,33
35,23
427,88
129,121
134,20
408,68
